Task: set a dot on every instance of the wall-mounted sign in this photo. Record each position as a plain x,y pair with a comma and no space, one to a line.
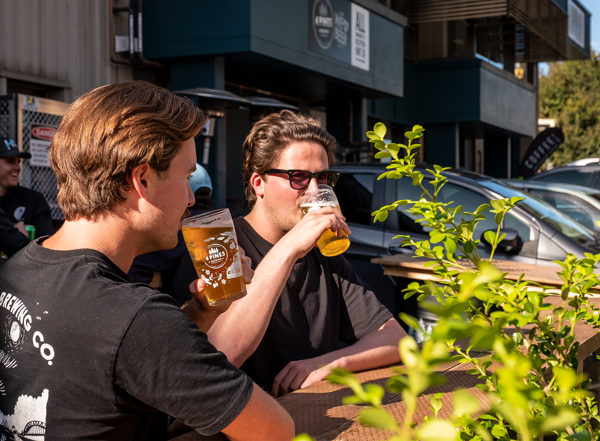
340,29
41,138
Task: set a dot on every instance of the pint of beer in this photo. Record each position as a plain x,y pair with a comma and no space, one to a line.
211,241
329,244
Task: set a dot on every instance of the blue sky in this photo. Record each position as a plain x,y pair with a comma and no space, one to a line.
594,7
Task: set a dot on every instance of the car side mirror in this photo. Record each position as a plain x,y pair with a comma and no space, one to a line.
511,244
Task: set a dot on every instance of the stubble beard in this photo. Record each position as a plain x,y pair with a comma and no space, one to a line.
282,218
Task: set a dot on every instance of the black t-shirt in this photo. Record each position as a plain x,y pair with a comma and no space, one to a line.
88,355
23,204
11,239
323,302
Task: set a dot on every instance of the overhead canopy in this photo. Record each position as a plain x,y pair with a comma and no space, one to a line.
270,102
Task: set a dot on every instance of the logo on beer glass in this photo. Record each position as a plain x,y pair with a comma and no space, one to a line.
214,256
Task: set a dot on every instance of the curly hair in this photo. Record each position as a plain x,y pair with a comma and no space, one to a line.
271,135
109,131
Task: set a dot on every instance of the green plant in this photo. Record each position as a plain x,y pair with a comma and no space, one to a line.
530,376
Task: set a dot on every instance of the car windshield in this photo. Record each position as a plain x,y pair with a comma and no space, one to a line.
545,213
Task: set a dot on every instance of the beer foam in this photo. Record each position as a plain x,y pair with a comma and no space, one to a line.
317,205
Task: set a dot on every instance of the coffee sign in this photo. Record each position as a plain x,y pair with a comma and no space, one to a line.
340,29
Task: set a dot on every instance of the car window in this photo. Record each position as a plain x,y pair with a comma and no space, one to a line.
355,195
576,176
571,205
545,213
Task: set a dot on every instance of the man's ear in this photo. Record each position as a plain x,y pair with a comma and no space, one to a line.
138,179
258,184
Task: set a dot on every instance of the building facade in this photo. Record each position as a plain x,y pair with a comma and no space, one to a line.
465,70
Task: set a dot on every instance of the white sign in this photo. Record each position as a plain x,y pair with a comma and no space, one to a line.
31,103
40,156
359,32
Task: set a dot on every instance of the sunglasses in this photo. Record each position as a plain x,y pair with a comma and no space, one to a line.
300,179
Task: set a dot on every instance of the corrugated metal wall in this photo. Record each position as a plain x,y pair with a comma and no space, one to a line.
61,43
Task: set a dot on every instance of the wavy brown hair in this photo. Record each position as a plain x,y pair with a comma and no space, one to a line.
109,131
271,135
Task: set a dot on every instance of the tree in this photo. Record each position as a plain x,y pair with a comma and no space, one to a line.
570,93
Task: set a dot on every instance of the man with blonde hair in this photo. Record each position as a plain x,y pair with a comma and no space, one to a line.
285,333
86,353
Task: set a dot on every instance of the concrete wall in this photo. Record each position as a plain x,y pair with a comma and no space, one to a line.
508,104
59,44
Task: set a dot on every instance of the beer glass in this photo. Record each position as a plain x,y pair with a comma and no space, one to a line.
329,244
211,241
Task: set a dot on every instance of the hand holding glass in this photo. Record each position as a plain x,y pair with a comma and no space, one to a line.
211,241
329,244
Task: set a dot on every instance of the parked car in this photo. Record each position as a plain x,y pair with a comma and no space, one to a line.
580,203
584,175
545,234
586,161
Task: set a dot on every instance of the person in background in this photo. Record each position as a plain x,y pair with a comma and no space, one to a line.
23,206
12,239
158,268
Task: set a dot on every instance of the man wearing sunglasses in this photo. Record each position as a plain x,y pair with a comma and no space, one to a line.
286,333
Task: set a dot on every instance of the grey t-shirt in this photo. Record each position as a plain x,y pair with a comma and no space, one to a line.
86,354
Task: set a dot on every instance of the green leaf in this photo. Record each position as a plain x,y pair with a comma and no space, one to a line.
438,430
465,403
565,417
373,135
380,129
580,436
490,236
450,245
436,404
378,418
498,204
383,154
408,347
382,216
498,431
303,437
482,208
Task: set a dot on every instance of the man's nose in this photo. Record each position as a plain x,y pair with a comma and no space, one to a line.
313,184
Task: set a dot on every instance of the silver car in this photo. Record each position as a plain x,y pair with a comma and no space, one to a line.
580,203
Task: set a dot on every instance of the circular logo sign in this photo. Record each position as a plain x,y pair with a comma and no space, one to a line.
214,256
323,23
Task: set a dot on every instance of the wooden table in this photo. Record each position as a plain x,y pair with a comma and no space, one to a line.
318,409
411,267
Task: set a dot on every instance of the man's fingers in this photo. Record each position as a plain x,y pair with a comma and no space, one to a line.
197,287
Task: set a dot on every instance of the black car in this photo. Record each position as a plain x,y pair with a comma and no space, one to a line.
584,175
545,233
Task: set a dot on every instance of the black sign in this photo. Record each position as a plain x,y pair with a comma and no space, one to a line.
540,149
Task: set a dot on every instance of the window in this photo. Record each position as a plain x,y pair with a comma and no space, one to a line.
571,205
355,195
577,177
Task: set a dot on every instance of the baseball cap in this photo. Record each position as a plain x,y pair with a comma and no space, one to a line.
200,179
9,149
